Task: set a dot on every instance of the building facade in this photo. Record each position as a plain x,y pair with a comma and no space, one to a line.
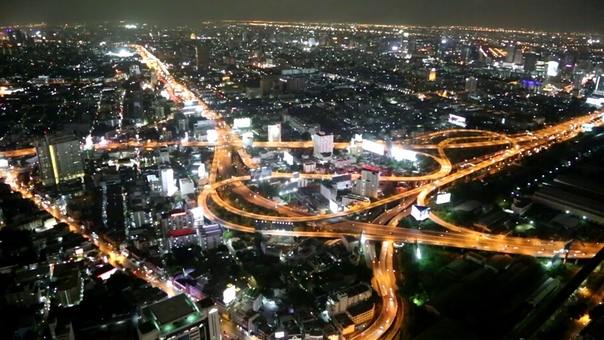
60,159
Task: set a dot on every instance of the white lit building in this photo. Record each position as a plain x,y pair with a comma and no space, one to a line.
186,186
322,143
274,133
368,185
309,167
60,159
167,181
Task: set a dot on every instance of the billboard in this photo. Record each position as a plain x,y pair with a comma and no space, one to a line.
288,158
402,154
242,123
443,198
420,213
457,120
373,147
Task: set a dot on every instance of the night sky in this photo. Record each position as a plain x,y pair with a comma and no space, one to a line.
578,15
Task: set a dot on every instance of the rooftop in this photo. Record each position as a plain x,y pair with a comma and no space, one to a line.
171,310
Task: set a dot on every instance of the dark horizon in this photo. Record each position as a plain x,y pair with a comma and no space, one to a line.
580,16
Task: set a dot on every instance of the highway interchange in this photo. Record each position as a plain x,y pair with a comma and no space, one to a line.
383,228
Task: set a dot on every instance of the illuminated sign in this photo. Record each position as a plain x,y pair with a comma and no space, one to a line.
402,154
373,147
457,120
229,294
279,335
443,198
212,136
242,123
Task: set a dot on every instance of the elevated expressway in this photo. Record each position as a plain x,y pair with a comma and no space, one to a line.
455,236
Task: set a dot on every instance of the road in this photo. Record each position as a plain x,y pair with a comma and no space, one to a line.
521,145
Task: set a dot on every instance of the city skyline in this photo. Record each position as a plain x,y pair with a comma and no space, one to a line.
532,14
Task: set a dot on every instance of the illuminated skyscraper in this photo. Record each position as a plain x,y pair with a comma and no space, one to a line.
471,84
405,43
432,75
60,159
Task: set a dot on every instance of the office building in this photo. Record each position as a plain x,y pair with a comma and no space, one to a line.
60,159
578,79
167,181
68,284
530,62
274,133
471,84
179,317
405,43
368,185
186,186
323,143
466,55
202,56
432,75
339,302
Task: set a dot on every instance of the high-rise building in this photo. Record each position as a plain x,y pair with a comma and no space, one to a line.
513,55
578,79
432,75
405,43
466,55
599,89
167,181
530,62
471,84
202,56
274,133
68,283
179,317
368,185
60,159
323,143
